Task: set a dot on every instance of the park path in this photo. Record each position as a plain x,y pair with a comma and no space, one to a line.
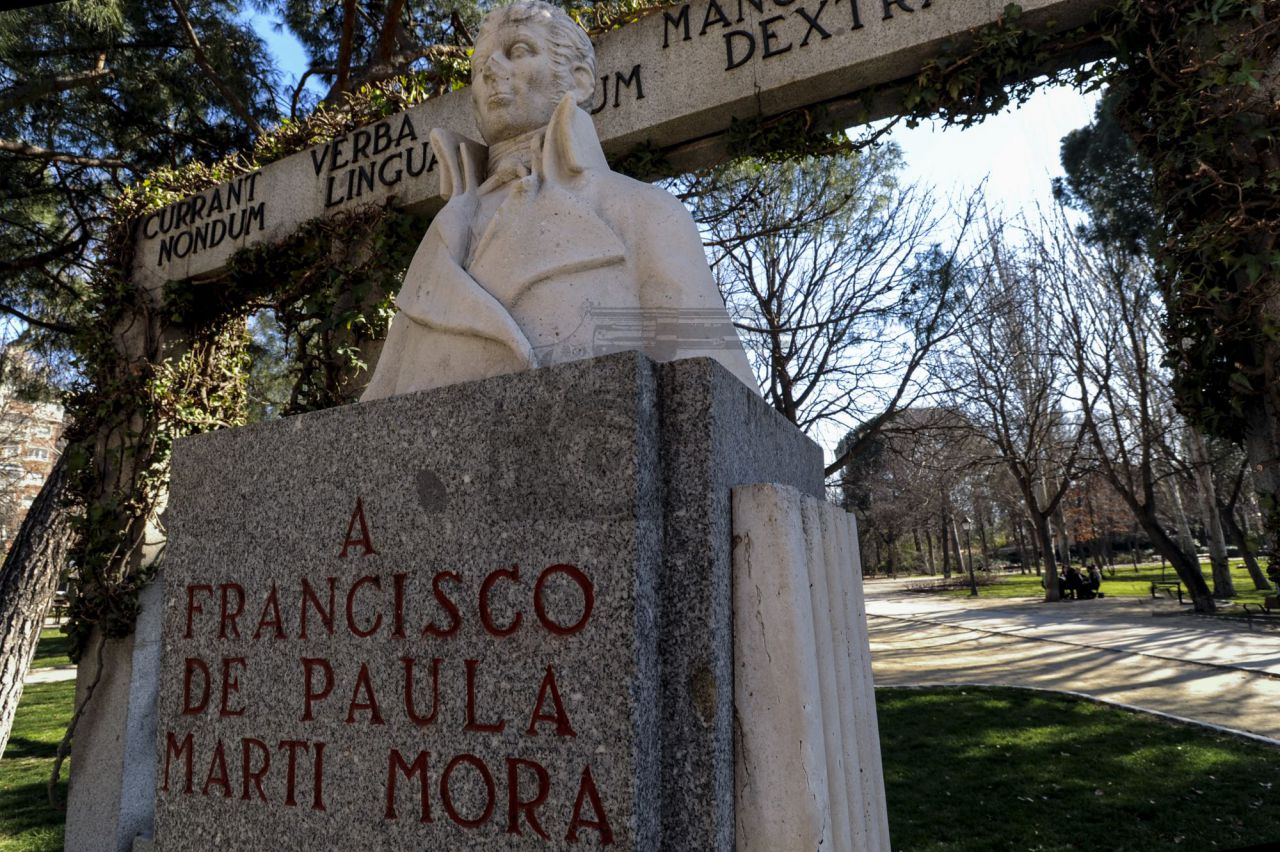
1145,654
50,675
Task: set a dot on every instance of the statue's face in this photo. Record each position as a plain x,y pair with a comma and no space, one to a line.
515,81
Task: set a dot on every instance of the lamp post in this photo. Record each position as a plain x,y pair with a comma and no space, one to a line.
973,581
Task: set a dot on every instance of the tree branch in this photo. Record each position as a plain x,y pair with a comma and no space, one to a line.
34,152
387,38
41,258
202,60
18,96
344,49
30,320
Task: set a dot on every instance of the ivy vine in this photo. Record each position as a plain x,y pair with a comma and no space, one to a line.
1199,99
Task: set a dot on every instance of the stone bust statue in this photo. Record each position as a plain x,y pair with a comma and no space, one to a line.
542,254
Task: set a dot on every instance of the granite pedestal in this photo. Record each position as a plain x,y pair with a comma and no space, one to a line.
496,615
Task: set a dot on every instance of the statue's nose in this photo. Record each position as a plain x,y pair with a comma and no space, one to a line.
495,66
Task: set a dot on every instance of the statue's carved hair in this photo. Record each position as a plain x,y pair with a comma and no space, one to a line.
569,44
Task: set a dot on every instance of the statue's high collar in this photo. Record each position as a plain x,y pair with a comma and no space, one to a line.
513,159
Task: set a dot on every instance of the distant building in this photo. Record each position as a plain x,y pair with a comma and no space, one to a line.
29,444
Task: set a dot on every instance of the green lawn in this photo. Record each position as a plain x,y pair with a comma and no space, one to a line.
1009,769
1126,583
52,650
965,769
27,822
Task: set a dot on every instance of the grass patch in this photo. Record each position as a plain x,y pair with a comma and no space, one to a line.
27,822
53,650
969,768
1125,584
965,769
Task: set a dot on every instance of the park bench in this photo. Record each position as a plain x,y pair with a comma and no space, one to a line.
58,607
1171,589
1269,607
947,585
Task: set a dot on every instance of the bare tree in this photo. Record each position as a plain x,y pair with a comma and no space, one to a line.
1111,336
1231,469
834,276
1008,377
911,478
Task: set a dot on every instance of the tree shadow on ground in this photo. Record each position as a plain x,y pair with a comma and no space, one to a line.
969,768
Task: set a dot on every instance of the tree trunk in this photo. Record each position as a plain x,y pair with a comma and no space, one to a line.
1223,586
1022,546
1186,541
1045,535
1262,444
982,542
1036,554
955,534
1187,569
1236,534
28,579
946,549
928,544
915,541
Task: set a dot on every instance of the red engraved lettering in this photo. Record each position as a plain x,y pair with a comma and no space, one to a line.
230,684
397,597
192,607
362,682
271,615
486,617
310,694
446,797
409,703
189,707
230,615
351,614
588,599
558,716
248,773
317,778
309,597
455,615
217,776
472,724
363,540
587,790
291,773
516,805
396,764
174,749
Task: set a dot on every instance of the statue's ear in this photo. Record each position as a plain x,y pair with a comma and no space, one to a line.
584,84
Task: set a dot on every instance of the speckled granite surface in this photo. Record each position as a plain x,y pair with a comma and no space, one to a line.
455,538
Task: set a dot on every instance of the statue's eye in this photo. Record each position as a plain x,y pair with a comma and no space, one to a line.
519,50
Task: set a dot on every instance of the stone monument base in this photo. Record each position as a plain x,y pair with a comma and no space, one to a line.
495,615
499,615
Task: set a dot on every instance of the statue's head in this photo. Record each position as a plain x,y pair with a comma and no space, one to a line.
528,55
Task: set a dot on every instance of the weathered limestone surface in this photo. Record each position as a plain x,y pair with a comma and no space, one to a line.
674,79
808,750
543,254
112,789
613,719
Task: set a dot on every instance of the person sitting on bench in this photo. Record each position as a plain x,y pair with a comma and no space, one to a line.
1072,583
1094,584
